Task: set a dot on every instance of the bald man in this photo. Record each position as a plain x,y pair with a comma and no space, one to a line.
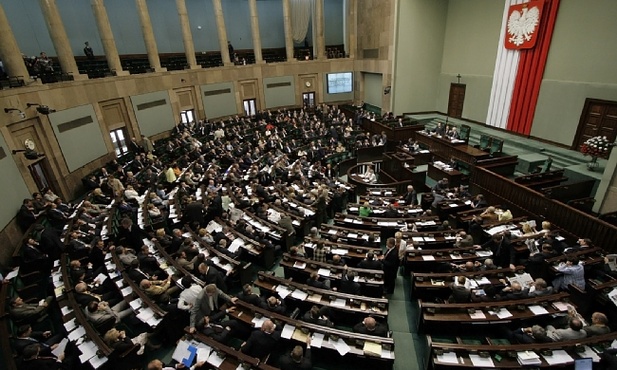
370,326
262,342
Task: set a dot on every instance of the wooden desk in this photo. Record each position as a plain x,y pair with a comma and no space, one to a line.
454,177
508,352
233,357
245,312
350,236
445,149
298,268
447,313
352,308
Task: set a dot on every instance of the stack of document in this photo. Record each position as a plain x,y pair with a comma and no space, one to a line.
527,358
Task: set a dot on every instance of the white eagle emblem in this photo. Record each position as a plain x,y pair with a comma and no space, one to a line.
522,26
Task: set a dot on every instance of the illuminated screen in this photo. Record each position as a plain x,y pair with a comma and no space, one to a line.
340,82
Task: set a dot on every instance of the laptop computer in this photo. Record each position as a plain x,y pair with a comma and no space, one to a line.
583,364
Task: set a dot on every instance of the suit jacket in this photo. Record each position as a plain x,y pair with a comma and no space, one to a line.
287,363
26,311
85,298
260,343
379,331
390,261
411,198
201,308
35,338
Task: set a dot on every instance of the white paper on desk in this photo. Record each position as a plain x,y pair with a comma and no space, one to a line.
70,325
357,221
145,314
428,258
429,239
537,309
448,358
97,361
417,239
352,235
561,306
101,278
614,344
298,294
259,322
477,315
340,346
154,321
389,355
203,352
54,277
136,304
66,310
126,291
483,281
119,283
215,360
323,272
77,333
340,252
339,302
348,219
235,245
332,232
283,291
484,253
503,313
456,256
478,361
299,265
61,347
317,340
88,350
366,237
288,331
558,357
589,353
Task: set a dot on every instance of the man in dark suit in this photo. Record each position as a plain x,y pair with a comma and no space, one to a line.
369,326
297,359
26,337
411,196
370,263
390,266
194,213
348,285
262,342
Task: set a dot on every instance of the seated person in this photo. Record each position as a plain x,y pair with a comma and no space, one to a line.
46,341
84,296
365,210
571,273
599,325
539,288
514,291
370,326
297,359
247,295
21,311
534,334
337,260
348,283
318,316
125,255
490,214
99,312
572,332
160,291
370,262
463,240
262,342
314,281
369,176
219,332
460,291
274,304
32,359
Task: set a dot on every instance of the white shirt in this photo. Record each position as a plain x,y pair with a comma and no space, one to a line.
188,296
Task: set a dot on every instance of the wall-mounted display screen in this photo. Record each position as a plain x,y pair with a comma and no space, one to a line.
340,82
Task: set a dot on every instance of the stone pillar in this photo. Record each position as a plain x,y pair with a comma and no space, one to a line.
9,50
146,30
222,32
187,36
255,31
320,47
60,39
352,28
107,37
289,41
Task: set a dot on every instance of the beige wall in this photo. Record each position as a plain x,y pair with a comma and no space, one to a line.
418,56
470,49
581,64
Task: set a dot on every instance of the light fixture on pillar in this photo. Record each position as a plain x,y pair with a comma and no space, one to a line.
43,109
387,90
458,78
17,110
